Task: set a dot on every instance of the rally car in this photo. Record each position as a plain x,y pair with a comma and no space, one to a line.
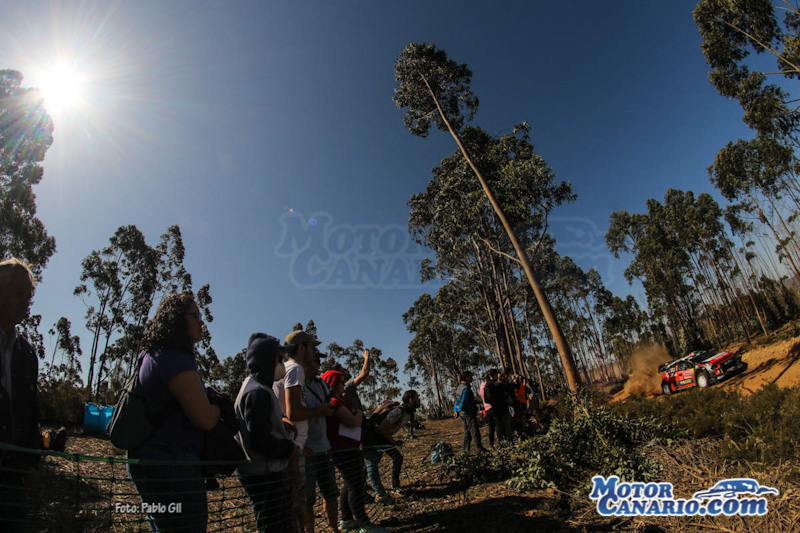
699,369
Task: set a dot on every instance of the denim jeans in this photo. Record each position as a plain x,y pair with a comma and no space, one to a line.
350,463
268,496
471,431
373,454
178,487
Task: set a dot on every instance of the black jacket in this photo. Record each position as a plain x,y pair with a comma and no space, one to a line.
19,421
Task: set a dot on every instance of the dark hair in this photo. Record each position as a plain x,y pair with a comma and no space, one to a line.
492,373
167,329
408,395
465,375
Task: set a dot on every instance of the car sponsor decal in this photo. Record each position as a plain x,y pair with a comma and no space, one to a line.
735,496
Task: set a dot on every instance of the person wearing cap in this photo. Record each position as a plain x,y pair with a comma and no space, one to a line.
263,435
290,391
344,434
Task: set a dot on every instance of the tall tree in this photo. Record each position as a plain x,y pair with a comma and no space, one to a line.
119,286
436,90
26,132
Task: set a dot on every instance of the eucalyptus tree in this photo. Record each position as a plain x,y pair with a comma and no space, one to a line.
382,382
760,172
424,322
233,373
731,31
453,218
663,265
119,286
436,90
748,174
26,132
442,346
67,344
118,279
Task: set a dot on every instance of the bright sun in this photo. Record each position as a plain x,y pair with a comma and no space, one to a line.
61,87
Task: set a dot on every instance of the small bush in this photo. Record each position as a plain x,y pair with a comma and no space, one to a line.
61,402
761,427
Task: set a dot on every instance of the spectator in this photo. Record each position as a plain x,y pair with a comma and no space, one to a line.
491,375
290,391
385,443
500,399
177,405
467,409
263,435
319,464
350,392
19,401
344,434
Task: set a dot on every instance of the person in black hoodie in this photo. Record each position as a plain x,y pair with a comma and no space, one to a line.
263,435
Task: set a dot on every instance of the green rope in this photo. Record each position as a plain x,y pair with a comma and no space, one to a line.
89,492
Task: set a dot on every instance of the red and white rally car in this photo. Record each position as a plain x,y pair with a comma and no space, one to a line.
699,369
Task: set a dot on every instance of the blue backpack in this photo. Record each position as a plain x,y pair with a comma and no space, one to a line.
442,451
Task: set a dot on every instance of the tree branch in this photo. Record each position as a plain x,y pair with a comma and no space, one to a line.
775,53
498,251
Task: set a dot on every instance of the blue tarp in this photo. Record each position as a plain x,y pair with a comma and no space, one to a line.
96,418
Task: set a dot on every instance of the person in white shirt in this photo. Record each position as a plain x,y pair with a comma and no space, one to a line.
290,390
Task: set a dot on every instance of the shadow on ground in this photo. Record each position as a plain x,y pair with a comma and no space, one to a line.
510,513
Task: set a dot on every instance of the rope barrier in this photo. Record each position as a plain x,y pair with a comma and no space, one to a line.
75,492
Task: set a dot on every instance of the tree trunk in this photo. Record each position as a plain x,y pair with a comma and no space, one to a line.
552,322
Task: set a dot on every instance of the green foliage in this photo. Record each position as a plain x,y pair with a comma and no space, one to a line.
61,396
233,373
424,77
584,440
761,427
26,132
119,285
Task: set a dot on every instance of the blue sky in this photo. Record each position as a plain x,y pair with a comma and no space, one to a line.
222,116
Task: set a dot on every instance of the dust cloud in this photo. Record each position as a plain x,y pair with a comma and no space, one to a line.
645,379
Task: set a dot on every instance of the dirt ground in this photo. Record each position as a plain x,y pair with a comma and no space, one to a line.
80,492
769,360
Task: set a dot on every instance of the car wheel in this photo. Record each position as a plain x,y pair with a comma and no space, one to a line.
702,380
665,388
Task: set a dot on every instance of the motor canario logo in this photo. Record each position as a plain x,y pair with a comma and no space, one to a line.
735,496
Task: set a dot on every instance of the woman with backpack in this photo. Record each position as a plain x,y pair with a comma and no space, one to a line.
173,490
344,434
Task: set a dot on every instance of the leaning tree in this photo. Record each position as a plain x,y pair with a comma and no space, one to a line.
435,89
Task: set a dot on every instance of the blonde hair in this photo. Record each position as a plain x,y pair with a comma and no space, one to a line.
10,265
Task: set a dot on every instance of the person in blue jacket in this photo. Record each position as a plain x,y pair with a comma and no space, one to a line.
264,435
466,408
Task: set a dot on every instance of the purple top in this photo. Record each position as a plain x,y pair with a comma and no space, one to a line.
177,433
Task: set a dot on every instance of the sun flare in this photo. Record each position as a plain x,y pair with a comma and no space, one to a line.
61,86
